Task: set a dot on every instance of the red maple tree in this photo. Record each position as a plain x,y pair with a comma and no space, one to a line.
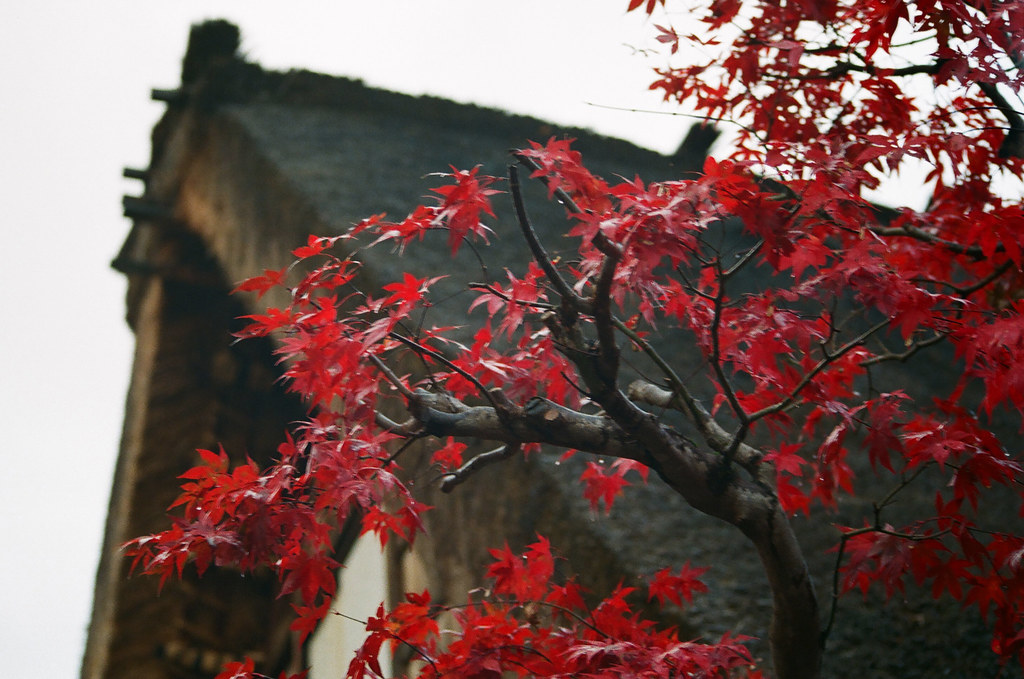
827,100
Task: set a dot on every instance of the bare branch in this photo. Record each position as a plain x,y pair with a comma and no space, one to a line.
904,355
409,428
972,251
827,359
425,351
391,377
541,421
603,320
679,398
716,353
540,255
743,261
542,306
1012,145
869,69
452,479
996,273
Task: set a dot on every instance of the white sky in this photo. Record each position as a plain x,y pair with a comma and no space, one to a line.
75,110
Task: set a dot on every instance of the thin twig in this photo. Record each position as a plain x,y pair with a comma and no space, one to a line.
747,256
997,273
440,358
678,114
833,609
716,355
453,478
401,449
827,360
692,408
487,287
904,355
392,378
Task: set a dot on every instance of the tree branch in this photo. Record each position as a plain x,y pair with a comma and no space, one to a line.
391,377
904,355
686,469
540,255
425,351
408,428
717,438
608,350
540,421
716,353
704,479
563,197
826,360
1013,143
972,251
453,478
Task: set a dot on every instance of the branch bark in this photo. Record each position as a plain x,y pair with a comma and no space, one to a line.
726,479
710,482
704,479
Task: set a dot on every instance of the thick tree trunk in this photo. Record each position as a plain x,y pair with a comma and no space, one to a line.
701,477
796,627
795,635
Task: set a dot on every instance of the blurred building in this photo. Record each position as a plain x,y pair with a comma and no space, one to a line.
246,163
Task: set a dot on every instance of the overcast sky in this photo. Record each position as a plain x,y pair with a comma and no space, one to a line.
75,110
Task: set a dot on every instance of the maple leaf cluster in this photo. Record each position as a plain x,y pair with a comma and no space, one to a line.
528,625
823,108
